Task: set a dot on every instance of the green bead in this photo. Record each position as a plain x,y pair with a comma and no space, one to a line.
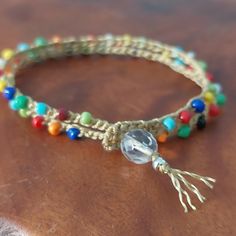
86,118
203,65
23,113
40,41
184,131
21,102
221,99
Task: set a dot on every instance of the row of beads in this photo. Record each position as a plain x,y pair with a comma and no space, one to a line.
200,108
209,106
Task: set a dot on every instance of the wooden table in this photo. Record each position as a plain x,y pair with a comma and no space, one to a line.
53,186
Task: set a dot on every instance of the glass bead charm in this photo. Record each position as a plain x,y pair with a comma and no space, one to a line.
138,146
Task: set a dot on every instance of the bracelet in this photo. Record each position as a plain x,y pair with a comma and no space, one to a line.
137,139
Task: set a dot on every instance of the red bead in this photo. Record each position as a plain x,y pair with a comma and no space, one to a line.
189,67
209,76
1,72
37,122
185,116
214,110
62,114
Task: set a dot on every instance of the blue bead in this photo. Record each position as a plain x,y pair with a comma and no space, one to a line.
22,47
198,105
73,133
169,123
41,108
13,105
9,93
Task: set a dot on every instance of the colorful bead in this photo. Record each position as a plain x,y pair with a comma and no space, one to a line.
185,116
221,99
22,47
73,133
63,114
21,102
214,110
191,54
85,118
184,131
198,105
37,122
179,62
162,137
9,93
215,88
201,122
169,123
3,85
54,128
40,41
41,108
209,76
56,39
24,113
13,105
7,54
209,97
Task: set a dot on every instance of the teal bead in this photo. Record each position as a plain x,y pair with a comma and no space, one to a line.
86,118
169,123
12,105
221,99
40,41
179,62
21,102
215,88
184,131
41,108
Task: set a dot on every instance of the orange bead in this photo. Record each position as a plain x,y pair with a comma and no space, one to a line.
54,128
56,39
162,137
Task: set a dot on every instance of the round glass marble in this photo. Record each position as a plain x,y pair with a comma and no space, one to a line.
138,146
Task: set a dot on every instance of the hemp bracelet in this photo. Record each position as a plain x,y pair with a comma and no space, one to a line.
138,140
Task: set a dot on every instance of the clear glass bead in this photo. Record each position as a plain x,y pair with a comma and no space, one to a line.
138,146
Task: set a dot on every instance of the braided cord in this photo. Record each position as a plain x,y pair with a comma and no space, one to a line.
109,133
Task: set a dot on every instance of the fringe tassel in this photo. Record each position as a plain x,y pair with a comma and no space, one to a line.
177,178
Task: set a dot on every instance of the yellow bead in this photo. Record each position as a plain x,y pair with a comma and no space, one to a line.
54,128
7,53
209,97
3,85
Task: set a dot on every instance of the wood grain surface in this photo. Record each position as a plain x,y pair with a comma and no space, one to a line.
53,186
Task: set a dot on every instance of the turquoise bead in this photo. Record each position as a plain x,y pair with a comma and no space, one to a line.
179,62
22,47
13,105
169,123
41,108
40,41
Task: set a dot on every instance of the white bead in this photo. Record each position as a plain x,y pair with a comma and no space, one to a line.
138,146
159,161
